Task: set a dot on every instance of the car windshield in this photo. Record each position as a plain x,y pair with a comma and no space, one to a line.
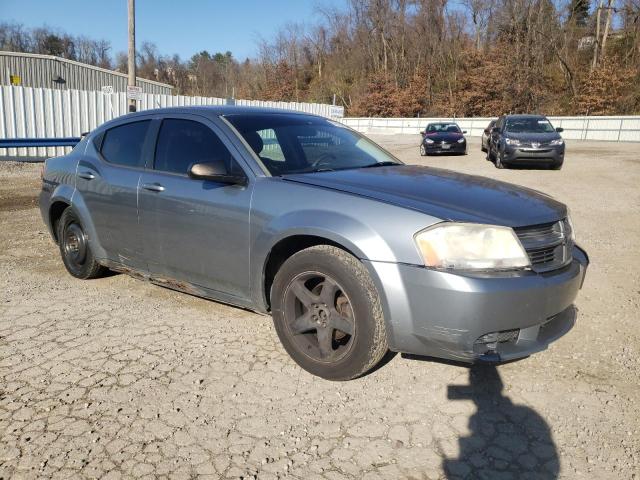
443,127
293,143
529,125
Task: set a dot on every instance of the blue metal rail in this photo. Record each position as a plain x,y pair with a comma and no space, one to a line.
38,142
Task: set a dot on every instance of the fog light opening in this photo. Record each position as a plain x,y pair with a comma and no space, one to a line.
491,340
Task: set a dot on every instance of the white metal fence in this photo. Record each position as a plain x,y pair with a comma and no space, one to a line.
45,113
617,129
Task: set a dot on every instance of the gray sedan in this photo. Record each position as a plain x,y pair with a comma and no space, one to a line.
352,252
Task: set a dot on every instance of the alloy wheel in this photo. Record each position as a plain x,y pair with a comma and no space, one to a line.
319,317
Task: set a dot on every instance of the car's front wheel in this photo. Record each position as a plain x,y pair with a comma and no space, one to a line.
74,247
327,313
423,150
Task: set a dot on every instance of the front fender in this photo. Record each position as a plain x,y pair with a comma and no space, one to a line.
351,234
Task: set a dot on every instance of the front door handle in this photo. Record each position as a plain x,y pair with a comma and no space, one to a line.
153,187
87,175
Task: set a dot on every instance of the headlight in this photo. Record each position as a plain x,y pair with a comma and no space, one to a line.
428,140
461,140
470,246
570,222
512,141
558,141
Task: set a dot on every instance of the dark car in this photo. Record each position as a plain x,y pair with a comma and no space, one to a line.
526,140
351,251
486,136
443,138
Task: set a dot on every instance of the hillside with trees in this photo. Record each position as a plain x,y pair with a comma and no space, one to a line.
410,58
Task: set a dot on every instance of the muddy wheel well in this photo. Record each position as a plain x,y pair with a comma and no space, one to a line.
55,212
284,249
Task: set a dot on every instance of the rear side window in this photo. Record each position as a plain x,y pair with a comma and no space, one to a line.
123,145
181,143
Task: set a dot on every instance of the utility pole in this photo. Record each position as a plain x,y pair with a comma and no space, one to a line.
132,51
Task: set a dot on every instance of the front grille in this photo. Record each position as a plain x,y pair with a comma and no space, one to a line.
538,144
548,245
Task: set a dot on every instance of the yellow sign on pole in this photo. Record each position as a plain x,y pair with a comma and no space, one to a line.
15,80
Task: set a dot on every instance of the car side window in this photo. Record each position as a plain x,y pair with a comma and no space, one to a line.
122,145
182,143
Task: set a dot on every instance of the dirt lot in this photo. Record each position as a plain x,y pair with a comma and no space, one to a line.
119,378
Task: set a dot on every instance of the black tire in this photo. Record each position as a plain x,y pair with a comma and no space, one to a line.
341,307
74,248
423,150
499,163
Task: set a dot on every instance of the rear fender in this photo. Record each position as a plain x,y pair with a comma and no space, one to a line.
80,208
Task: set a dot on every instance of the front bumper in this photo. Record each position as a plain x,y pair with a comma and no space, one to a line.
446,148
545,154
443,315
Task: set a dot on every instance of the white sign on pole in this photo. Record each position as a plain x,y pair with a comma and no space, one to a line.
336,111
134,92
107,89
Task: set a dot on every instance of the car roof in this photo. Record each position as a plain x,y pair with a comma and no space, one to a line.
524,115
203,110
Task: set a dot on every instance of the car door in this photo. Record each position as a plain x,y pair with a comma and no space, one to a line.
196,231
107,181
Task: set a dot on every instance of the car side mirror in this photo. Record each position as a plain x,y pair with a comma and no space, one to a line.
464,132
422,132
215,172
559,129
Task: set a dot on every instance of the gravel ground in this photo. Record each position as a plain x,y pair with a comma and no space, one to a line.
119,378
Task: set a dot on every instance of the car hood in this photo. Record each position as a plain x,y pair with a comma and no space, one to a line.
533,137
446,136
443,194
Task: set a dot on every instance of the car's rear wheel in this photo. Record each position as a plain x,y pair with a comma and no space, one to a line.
327,313
75,249
489,157
423,150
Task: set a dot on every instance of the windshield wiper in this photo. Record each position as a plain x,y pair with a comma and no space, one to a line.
381,164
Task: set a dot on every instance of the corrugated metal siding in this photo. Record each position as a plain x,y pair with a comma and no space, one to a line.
40,70
609,128
47,113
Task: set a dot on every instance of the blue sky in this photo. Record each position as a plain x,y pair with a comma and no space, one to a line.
179,26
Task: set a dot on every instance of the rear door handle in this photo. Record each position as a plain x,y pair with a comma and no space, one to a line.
153,187
87,175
